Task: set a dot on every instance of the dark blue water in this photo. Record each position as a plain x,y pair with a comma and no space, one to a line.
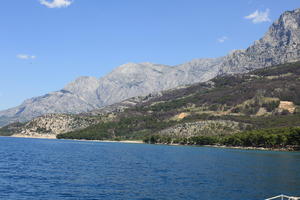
57,169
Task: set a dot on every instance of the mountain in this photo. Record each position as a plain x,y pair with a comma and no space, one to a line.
225,105
281,44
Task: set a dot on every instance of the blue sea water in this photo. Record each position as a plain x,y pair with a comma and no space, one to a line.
60,169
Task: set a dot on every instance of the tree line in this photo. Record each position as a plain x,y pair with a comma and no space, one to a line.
266,138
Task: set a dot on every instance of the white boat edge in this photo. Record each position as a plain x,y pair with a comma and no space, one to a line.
283,197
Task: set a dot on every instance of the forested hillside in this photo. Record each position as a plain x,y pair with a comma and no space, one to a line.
226,105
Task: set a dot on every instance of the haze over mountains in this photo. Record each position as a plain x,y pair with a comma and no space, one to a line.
281,44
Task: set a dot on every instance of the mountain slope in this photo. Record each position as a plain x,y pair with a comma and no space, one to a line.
264,98
225,105
281,44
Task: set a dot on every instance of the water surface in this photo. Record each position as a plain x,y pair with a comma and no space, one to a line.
60,169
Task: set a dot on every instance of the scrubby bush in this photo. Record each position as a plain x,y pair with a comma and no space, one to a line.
270,138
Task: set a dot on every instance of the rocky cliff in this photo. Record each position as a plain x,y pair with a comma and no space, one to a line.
281,44
52,124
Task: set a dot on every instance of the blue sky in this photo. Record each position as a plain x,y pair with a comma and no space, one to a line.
46,44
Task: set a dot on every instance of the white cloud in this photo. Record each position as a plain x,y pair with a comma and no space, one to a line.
259,16
222,39
56,3
25,56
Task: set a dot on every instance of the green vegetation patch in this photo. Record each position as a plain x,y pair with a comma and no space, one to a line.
266,138
11,129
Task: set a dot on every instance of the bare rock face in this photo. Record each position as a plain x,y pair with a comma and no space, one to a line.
84,88
89,93
281,44
56,102
53,124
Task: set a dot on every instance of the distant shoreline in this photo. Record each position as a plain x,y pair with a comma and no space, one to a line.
53,137
174,144
235,147
253,148
35,137
112,141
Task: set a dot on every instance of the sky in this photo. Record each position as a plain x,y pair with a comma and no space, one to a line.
45,44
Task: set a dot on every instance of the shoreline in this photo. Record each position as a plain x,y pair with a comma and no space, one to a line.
53,137
174,144
35,137
297,149
253,148
110,141
236,147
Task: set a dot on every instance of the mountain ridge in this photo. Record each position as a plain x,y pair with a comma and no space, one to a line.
225,105
281,44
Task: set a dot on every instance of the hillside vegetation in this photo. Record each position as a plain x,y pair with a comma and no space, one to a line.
224,107
278,138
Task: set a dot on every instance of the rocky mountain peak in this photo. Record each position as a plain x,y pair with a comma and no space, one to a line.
285,30
280,45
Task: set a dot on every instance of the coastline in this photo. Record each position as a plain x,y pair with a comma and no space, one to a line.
253,148
53,137
111,141
234,147
35,137
174,144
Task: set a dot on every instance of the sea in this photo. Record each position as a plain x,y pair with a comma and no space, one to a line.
83,170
